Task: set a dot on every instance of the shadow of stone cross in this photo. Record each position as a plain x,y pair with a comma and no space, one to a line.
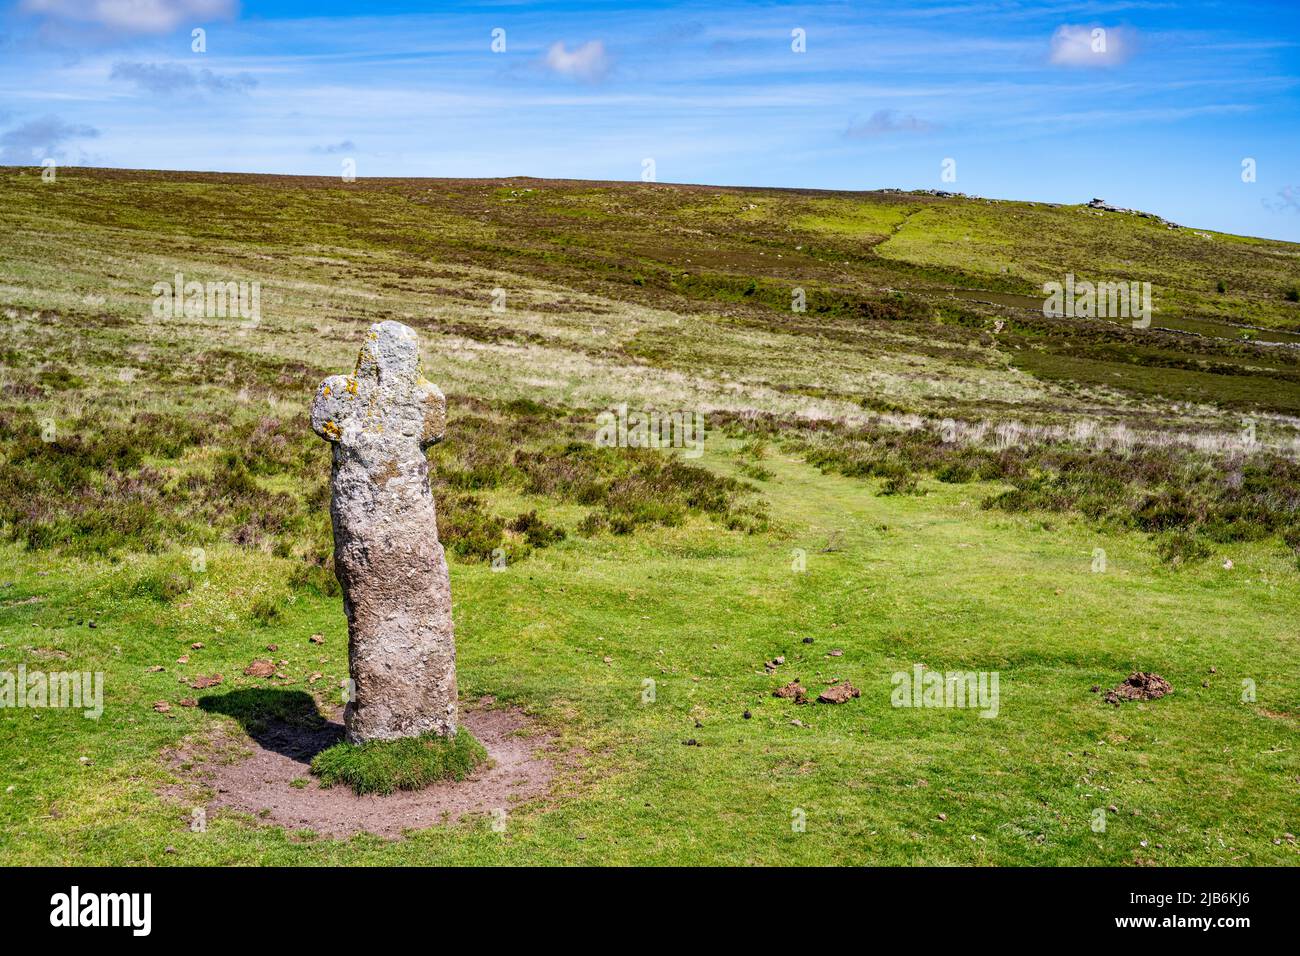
396,592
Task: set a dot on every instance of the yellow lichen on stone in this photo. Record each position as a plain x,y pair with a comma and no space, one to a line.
326,391
352,385
329,428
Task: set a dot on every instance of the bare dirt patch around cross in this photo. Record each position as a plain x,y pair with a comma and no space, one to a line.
268,774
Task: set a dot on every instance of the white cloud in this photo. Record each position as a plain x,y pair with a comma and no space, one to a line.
134,16
587,62
1092,45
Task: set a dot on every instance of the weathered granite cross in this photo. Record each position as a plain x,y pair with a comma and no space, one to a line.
396,592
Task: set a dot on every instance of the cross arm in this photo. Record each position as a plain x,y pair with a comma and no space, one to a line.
333,406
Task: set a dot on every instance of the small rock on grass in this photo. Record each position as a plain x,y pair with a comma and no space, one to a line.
201,682
260,668
838,694
162,707
1139,686
792,691
317,639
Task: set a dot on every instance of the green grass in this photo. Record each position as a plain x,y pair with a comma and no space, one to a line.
181,499
412,763
1201,776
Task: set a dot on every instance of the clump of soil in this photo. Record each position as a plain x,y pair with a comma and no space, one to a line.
274,782
838,694
792,691
1139,686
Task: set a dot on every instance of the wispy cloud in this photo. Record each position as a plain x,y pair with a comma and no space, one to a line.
587,62
884,122
132,16
333,149
1092,46
40,139
164,79
1286,200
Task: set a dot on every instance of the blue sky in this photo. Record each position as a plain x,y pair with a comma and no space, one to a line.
1020,95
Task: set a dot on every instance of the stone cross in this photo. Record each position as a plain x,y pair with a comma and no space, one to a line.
396,592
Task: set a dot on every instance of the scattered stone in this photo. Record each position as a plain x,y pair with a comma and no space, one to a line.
170,849
838,694
317,639
272,647
183,659
1094,689
607,659
91,624
808,640
792,691
796,723
943,817
316,675
260,668
196,646
747,715
154,669
1139,686
202,683
188,702
836,653
162,707
691,743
